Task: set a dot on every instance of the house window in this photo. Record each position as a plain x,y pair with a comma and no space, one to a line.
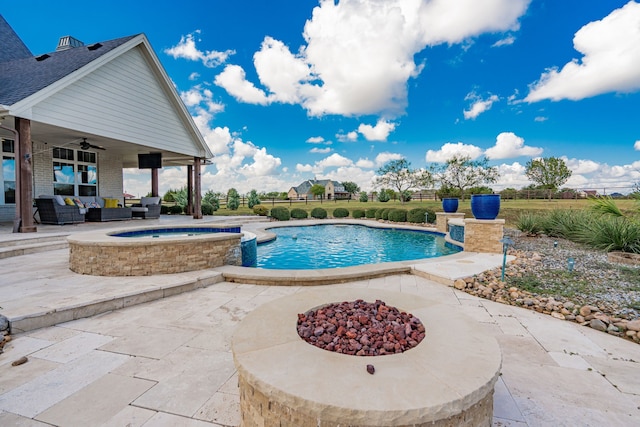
75,172
8,172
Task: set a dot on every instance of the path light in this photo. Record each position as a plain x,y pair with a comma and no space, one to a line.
506,242
570,264
555,244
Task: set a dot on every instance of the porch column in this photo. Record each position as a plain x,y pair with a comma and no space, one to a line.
197,195
189,190
24,177
154,182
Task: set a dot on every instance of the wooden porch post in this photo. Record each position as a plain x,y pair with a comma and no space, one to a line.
154,182
189,190
24,176
197,196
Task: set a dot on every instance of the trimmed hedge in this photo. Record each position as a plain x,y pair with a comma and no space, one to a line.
318,213
164,209
384,215
298,213
431,218
398,215
379,213
175,209
421,215
280,213
260,210
370,213
357,213
340,213
207,208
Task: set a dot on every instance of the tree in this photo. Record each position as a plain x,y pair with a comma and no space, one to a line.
212,198
233,199
384,196
461,173
549,172
364,197
351,187
317,190
399,175
253,199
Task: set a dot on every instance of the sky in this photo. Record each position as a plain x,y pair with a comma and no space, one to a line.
289,90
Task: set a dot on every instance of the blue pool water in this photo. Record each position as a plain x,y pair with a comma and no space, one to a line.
332,246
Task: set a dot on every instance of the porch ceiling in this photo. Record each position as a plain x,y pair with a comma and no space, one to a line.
55,136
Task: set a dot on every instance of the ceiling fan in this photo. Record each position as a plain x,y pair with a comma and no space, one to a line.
86,146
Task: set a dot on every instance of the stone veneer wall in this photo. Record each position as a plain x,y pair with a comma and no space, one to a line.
157,257
482,235
258,410
442,220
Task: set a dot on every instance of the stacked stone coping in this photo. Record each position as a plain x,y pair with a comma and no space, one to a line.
99,253
483,235
443,219
448,379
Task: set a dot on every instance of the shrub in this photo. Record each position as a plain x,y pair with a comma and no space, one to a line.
340,213
280,213
417,215
253,199
318,213
164,209
384,215
611,233
298,213
260,210
363,197
398,215
175,209
358,213
431,216
233,199
529,223
207,208
370,213
383,196
213,199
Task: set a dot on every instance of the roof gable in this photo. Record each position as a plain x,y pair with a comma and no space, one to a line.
11,46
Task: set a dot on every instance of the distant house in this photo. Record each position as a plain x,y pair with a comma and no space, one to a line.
72,119
332,190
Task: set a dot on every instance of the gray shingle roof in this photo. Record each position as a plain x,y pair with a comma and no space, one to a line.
22,76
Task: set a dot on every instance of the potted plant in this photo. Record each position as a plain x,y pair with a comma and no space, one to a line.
450,204
485,206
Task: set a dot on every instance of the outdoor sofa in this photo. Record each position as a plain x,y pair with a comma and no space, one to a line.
72,210
51,211
149,207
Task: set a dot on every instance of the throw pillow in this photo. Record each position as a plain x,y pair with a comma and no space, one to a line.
78,203
69,201
110,203
59,199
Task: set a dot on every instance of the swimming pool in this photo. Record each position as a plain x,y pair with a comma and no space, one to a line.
341,245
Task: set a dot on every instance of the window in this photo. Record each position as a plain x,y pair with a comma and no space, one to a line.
8,179
75,172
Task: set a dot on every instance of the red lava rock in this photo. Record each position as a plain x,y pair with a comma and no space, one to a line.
360,328
371,369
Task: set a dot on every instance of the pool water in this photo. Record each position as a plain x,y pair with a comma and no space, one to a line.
333,246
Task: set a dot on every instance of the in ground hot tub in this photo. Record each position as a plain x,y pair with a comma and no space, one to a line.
446,380
155,250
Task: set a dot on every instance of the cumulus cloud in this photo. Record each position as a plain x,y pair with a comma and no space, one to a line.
187,49
386,157
610,60
353,46
478,105
580,166
201,99
636,146
509,145
315,140
347,137
379,132
365,163
320,150
319,167
449,150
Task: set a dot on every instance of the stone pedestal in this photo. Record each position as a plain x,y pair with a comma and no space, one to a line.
442,219
483,235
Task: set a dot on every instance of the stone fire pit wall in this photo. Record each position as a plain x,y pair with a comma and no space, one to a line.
100,254
447,380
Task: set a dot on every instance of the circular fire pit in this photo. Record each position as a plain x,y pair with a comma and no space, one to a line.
447,379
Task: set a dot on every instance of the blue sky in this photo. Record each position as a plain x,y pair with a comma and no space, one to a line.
288,90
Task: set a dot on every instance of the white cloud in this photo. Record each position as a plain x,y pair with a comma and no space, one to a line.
320,150
580,166
379,132
194,76
333,161
509,145
315,140
187,49
364,179
233,80
541,119
365,163
636,146
386,157
610,61
348,137
507,41
356,45
478,105
450,149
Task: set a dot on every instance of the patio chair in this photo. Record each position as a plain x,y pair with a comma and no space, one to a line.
51,211
149,207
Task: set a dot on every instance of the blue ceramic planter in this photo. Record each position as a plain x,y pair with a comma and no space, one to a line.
485,206
450,205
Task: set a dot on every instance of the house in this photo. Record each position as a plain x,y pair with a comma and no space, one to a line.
332,190
72,119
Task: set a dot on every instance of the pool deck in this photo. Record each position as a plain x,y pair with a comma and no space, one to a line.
155,350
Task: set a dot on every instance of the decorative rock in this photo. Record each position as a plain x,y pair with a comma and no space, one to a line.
634,325
558,315
598,325
585,311
4,323
371,369
459,284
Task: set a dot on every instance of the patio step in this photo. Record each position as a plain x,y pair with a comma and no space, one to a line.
25,246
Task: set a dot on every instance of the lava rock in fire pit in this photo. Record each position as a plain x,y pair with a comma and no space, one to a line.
361,328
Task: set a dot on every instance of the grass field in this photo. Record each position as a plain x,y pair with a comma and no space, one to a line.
509,209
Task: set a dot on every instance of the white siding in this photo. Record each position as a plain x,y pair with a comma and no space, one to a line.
123,100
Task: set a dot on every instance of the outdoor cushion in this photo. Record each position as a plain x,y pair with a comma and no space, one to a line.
69,201
145,201
59,199
110,203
